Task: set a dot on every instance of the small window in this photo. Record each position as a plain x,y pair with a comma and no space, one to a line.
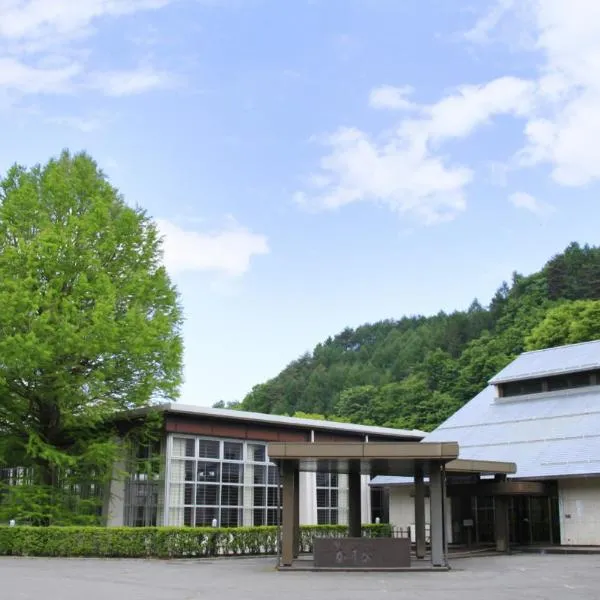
259,496
208,471
207,495
232,451
190,447
257,453
208,449
230,495
232,473
205,516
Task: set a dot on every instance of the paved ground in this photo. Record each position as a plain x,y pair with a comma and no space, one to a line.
491,578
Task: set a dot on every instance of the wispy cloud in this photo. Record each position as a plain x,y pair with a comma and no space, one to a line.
43,48
128,83
390,97
525,201
405,170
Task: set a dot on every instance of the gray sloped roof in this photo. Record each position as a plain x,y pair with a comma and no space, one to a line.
553,434
240,415
552,361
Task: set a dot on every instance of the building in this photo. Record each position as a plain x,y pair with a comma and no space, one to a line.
212,465
541,412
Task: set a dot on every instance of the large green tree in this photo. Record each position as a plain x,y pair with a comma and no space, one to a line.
89,325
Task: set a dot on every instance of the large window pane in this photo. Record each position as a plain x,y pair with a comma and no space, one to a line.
190,447
208,471
258,517
189,470
273,476
259,496
205,516
233,450
207,495
272,497
260,474
230,495
209,448
257,453
232,473
323,498
231,517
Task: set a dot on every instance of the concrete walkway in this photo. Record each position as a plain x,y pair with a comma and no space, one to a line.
548,577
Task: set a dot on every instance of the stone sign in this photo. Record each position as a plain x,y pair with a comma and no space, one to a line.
363,552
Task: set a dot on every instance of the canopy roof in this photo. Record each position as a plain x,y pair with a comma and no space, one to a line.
375,458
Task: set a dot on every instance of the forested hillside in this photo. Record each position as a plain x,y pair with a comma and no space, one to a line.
416,371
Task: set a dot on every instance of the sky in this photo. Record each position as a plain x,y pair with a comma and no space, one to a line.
317,164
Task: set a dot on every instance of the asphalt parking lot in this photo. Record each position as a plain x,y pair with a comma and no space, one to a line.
547,577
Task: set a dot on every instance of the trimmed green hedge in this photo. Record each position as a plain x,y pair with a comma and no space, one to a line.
160,542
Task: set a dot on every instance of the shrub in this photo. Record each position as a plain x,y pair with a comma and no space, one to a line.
160,542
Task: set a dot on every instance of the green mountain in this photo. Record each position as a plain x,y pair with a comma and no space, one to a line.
416,371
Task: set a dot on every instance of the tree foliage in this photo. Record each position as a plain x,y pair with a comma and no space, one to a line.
416,371
90,322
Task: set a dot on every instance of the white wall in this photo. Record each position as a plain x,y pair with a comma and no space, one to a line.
402,511
579,511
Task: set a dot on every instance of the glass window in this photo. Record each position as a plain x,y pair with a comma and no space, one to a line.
230,495
190,447
208,471
209,448
231,517
189,470
258,517
207,495
272,496
273,475
259,496
257,453
205,516
189,494
260,474
232,473
233,450
272,516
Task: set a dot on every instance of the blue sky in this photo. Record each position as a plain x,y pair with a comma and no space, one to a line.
315,164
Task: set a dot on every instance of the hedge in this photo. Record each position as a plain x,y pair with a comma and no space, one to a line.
160,542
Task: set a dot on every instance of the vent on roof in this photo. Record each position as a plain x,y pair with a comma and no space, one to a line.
552,383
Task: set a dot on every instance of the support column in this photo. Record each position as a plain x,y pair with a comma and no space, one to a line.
354,503
288,477
420,513
501,523
436,506
296,513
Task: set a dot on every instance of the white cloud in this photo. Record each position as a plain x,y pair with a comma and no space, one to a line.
395,173
491,18
19,77
526,201
44,22
394,98
227,252
129,83
42,50
405,171
564,128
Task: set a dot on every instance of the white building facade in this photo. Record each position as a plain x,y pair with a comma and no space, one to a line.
225,477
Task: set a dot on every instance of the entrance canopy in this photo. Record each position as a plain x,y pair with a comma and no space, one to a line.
373,458
410,459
